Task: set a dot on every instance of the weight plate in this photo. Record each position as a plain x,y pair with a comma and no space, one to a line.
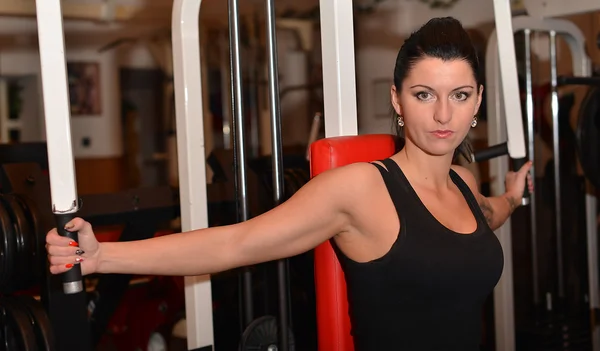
22,272
23,224
41,323
588,132
262,335
38,237
9,246
19,325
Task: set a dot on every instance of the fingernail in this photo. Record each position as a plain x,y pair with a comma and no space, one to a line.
69,265
69,225
73,243
79,252
79,259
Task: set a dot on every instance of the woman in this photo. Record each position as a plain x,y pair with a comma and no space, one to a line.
412,232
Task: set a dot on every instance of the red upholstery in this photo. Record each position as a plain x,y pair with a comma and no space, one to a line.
333,322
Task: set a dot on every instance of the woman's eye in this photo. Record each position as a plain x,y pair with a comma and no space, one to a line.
423,95
460,96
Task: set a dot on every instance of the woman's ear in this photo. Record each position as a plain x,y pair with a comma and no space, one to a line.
479,99
395,99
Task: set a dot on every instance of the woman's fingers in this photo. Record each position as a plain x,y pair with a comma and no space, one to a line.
54,250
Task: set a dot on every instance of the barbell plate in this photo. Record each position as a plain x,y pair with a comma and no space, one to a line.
10,251
16,317
38,237
42,326
22,269
588,132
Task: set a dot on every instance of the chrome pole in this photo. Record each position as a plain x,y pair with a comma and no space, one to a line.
237,104
277,161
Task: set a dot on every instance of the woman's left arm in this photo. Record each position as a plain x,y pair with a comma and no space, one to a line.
497,209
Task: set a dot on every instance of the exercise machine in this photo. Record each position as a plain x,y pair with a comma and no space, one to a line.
498,54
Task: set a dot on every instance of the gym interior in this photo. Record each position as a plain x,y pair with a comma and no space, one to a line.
259,75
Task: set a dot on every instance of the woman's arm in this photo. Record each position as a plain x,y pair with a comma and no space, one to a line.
497,209
318,211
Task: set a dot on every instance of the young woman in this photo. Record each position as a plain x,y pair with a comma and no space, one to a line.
412,232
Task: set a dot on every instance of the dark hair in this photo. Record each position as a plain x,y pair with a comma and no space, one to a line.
443,38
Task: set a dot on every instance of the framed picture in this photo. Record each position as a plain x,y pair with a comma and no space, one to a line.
84,88
381,98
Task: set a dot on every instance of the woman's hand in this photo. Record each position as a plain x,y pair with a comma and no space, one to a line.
515,185
63,253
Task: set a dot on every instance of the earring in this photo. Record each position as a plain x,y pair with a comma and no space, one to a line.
474,122
400,121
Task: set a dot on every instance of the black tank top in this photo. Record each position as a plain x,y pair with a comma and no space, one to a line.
427,292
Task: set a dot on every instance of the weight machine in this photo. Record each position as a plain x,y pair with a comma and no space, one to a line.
498,54
340,113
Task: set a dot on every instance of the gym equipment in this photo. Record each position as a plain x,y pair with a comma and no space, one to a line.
496,55
25,325
65,202
588,134
333,322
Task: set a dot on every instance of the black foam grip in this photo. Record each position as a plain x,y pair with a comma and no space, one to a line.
73,274
517,163
490,152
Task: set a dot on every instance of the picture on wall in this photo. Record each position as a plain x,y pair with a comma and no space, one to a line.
84,88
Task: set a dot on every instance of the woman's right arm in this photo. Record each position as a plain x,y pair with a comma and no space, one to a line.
318,211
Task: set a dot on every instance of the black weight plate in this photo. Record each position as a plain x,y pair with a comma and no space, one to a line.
22,271
41,323
10,251
8,332
262,334
38,237
588,132
24,226
20,324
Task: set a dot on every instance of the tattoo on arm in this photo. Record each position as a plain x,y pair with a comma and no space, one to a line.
487,209
512,203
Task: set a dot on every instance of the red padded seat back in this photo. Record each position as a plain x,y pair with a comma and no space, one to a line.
333,322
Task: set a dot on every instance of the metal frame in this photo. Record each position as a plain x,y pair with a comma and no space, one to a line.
497,103
192,169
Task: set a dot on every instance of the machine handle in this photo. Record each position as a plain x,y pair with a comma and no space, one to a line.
501,150
71,279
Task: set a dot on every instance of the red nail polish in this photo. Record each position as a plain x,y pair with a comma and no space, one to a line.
73,243
69,265
79,259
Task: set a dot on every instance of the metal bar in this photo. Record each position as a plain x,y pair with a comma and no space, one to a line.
277,162
510,83
591,211
63,187
531,151
239,143
556,151
192,172
339,82
591,81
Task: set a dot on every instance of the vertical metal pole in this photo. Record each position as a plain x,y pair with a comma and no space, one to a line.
556,151
239,144
189,110
277,160
531,151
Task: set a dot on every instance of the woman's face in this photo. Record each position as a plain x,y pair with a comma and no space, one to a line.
438,102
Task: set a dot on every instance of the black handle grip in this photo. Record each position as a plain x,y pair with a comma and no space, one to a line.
72,279
517,164
490,152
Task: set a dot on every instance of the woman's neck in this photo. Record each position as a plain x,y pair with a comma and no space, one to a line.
424,170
